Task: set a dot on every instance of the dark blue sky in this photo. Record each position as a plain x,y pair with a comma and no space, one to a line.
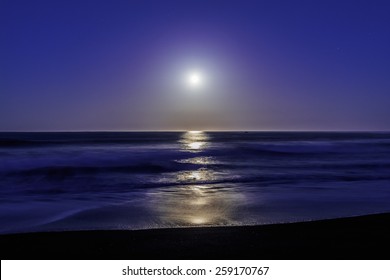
266,65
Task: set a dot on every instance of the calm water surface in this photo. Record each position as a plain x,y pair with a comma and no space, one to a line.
134,180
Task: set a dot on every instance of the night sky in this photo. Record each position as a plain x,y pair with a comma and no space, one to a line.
124,65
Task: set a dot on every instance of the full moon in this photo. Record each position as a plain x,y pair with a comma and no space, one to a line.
194,79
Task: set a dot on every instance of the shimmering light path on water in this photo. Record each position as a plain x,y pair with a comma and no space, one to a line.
134,180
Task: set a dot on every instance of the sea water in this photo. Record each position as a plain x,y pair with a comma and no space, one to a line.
139,180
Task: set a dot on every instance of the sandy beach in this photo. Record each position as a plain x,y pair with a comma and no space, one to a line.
364,237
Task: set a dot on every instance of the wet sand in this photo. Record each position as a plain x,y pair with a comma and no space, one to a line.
364,237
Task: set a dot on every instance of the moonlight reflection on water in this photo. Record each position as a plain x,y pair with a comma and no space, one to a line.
194,203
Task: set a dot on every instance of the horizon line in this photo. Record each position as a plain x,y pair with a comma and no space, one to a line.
182,130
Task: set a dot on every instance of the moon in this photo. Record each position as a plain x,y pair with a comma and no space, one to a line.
194,79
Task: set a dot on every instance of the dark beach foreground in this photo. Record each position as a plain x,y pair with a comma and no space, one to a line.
364,237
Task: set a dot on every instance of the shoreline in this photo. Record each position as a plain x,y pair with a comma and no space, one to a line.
361,237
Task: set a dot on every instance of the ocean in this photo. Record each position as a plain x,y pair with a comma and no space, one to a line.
64,181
